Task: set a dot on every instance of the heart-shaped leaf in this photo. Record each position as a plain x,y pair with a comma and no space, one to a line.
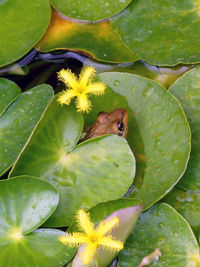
158,131
25,204
91,10
163,228
161,32
8,91
85,175
22,25
77,36
127,210
18,121
187,91
187,203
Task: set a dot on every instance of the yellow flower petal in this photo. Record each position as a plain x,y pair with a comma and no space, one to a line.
89,252
97,88
109,243
79,88
69,78
105,227
84,222
85,76
93,238
74,239
65,97
82,103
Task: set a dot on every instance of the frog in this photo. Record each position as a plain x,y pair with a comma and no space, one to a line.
114,122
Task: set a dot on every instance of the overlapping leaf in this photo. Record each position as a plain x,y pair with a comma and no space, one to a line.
18,121
161,227
22,25
8,91
187,203
161,32
187,91
87,174
91,10
97,40
158,131
25,204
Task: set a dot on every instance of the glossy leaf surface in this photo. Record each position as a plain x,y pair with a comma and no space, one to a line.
187,203
158,131
97,40
127,210
8,91
161,32
84,175
22,25
18,121
187,91
91,10
161,227
25,204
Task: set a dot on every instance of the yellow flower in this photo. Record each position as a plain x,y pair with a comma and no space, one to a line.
93,238
79,87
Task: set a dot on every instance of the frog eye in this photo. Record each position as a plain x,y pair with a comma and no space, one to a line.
100,113
120,128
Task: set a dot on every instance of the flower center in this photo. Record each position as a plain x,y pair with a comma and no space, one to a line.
94,238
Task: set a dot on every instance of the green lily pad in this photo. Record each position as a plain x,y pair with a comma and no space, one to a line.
8,91
85,175
22,25
18,121
158,132
161,32
161,227
187,91
25,204
91,10
127,210
187,203
64,33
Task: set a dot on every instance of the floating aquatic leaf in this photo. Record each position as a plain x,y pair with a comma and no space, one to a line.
25,204
85,175
22,25
161,32
18,121
161,227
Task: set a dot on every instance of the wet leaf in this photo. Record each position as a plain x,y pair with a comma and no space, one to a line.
97,40
18,121
91,10
8,91
25,205
22,25
84,175
161,32
158,132
187,91
161,227
187,203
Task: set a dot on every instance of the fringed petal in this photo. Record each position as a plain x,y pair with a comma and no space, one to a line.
84,222
109,243
105,227
88,253
74,239
85,76
65,97
82,103
97,88
69,78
